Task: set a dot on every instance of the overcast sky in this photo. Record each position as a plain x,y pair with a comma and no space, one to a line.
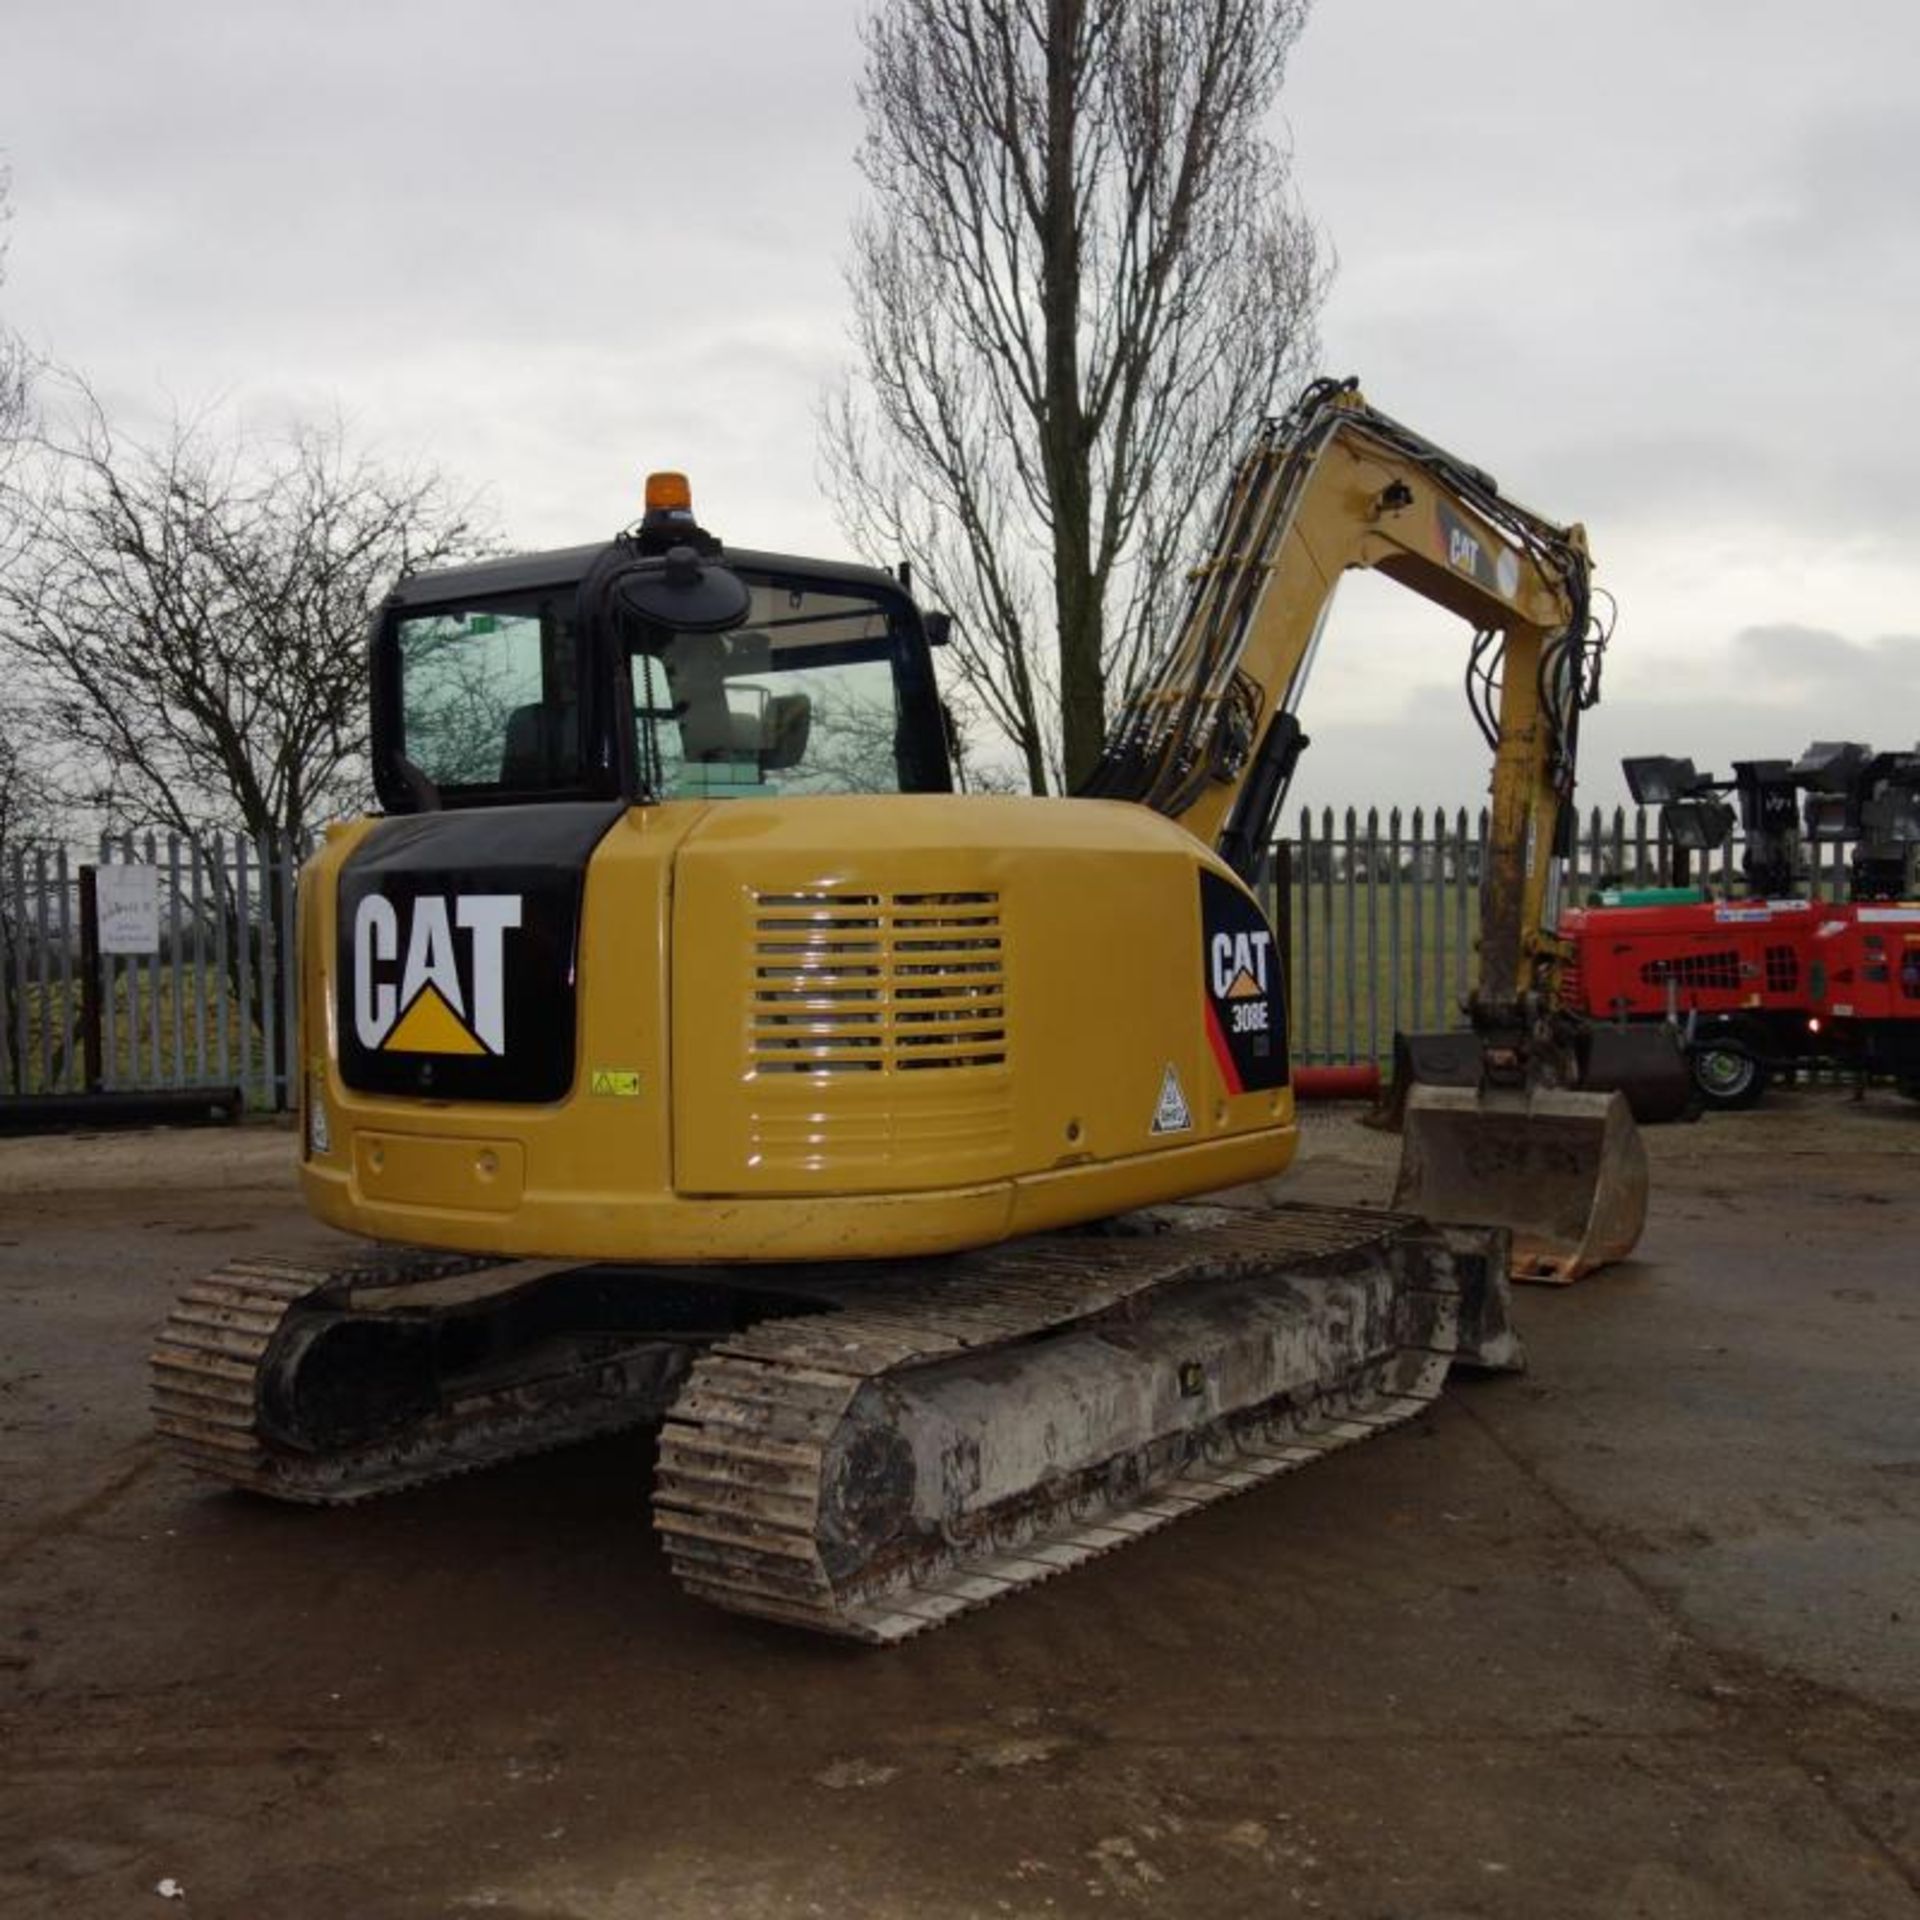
1654,263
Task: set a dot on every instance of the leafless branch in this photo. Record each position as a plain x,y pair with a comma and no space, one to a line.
1083,277
193,612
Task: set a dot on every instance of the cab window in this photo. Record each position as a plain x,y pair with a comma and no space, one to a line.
489,695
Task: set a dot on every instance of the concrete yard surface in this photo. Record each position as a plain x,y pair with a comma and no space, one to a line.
1634,1634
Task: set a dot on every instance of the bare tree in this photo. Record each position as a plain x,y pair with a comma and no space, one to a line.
1083,277
28,815
14,367
28,810
193,613
27,805
190,618
14,361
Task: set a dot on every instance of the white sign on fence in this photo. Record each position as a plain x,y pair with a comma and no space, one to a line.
129,902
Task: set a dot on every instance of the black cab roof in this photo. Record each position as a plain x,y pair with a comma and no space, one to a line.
555,566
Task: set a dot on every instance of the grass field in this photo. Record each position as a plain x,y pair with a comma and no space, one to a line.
160,1027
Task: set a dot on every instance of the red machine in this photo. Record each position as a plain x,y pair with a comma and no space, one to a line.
1864,987
1764,984
1733,973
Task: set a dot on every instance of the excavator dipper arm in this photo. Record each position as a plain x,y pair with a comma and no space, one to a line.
1335,485
1211,737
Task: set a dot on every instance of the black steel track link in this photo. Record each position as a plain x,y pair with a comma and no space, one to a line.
739,1489
207,1381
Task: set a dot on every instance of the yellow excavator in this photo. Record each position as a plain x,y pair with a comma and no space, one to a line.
685,1050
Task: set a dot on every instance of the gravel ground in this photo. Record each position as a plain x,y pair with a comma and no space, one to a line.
1637,1633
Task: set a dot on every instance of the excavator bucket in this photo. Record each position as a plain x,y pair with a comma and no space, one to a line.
1565,1171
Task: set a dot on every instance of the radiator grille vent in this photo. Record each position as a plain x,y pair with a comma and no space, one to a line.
878,983
1695,970
1572,989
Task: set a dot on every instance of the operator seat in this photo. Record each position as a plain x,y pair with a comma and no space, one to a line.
535,752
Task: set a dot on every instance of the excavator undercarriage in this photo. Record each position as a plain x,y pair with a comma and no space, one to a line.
862,1452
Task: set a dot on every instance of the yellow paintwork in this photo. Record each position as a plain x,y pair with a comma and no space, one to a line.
866,1027
1367,504
1099,989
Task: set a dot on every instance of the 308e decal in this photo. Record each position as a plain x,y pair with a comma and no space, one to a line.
1246,997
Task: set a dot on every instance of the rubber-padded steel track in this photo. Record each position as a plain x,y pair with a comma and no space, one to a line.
755,1455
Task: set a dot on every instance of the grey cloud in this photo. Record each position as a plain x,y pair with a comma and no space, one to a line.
1782,687
1685,286
1841,194
1642,475
1878,678
1653,265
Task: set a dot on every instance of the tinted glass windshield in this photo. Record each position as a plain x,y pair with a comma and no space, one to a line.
822,688
802,698
489,693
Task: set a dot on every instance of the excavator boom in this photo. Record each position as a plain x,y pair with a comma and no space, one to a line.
1212,736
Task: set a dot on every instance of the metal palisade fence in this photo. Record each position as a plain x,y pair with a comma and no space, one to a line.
1381,912
201,995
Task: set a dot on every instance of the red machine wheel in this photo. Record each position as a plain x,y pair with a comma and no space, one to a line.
1727,1075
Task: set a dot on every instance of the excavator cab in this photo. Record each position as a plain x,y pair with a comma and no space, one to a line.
490,691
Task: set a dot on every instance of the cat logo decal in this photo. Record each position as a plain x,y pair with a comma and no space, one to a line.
435,980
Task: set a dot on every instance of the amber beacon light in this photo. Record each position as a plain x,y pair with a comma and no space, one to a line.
669,493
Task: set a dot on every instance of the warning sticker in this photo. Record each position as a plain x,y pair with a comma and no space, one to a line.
618,1083
1172,1115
